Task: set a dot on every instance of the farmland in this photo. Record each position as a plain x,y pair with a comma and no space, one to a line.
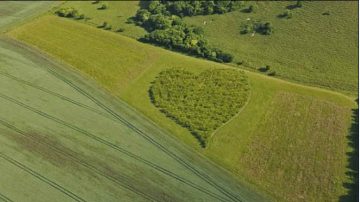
276,116
64,138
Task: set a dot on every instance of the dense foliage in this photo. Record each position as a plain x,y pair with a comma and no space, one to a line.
67,12
201,102
191,8
264,28
166,28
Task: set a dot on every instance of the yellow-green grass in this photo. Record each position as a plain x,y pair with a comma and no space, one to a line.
311,48
126,68
115,15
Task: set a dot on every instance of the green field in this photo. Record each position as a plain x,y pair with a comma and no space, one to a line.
310,48
115,15
65,139
126,68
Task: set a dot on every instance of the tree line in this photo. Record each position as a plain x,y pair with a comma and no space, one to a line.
163,20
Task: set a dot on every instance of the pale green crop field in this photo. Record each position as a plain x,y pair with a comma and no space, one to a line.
310,48
126,68
16,12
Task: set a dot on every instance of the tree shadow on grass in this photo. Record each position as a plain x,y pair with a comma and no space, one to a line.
353,161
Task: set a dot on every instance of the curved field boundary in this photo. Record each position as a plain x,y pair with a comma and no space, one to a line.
42,178
148,138
5,198
109,144
158,168
44,56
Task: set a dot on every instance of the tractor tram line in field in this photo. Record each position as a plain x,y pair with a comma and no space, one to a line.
109,144
5,198
147,137
42,178
79,161
158,168
57,95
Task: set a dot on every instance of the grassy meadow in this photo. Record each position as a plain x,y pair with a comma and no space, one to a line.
115,15
310,48
276,119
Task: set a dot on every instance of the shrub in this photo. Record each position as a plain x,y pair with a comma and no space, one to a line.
120,30
240,63
267,67
108,27
67,12
287,14
326,13
103,6
245,29
80,17
258,27
264,28
252,8
299,4
272,73
103,25
264,69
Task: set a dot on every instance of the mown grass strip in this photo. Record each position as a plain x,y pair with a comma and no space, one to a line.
147,137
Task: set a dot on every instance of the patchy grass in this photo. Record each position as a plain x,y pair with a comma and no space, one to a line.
130,67
295,152
310,48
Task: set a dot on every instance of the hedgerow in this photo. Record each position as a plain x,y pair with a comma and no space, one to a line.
201,103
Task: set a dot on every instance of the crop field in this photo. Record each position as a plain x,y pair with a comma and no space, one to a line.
276,111
311,47
15,12
83,159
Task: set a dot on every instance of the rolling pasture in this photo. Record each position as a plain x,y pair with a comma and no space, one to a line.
282,118
317,46
115,15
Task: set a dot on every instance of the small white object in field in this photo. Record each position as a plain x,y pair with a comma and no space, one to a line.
247,18
204,22
253,34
